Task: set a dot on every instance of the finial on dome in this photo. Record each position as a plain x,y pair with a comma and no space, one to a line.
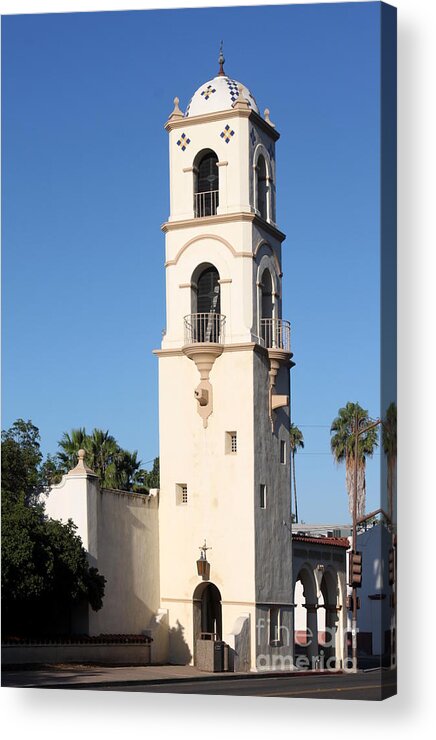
221,61
267,118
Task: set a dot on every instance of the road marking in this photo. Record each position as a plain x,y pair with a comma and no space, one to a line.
323,691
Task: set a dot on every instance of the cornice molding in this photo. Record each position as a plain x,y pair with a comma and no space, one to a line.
223,218
222,115
236,347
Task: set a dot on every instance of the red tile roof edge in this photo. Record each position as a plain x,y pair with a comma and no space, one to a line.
335,541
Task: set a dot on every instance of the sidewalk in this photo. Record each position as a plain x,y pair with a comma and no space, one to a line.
66,676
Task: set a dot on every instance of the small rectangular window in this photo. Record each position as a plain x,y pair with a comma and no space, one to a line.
181,494
283,452
274,625
262,496
231,446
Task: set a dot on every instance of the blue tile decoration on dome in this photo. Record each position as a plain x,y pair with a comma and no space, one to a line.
252,137
227,133
188,107
233,89
183,142
208,92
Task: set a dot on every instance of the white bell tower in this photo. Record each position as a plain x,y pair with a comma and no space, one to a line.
224,388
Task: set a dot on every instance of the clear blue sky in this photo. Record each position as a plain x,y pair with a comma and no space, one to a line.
85,190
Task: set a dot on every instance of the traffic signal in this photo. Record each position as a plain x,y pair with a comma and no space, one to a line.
355,569
350,602
391,566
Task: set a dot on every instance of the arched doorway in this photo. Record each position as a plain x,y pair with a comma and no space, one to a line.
207,613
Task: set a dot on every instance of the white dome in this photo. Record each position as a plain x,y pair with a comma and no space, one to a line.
218,94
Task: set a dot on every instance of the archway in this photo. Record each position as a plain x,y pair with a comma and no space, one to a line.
207,613
306,605
328,613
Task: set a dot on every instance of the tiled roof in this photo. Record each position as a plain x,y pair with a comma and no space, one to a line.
335,541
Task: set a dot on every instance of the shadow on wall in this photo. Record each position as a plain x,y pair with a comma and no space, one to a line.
180,653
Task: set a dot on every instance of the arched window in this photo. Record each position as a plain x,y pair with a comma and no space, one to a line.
266,308
267,295
207,306
208,291
206,191
262,187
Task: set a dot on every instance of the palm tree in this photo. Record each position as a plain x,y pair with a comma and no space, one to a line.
343,449
101,450
70,445
389,440
296,441
116,468
121,472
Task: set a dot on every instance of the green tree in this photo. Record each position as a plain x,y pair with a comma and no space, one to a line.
115,467
146,479
343,444
296,441
45,570
122,471
102,450
389,442
69,445
21,461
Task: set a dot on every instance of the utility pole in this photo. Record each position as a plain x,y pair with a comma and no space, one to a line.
355,561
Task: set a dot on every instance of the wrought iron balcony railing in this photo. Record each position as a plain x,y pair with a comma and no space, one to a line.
276,334
205,204
204,327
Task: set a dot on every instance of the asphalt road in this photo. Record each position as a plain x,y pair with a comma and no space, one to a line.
364,685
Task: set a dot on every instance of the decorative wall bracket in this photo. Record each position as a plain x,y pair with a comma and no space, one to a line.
204,356
277,357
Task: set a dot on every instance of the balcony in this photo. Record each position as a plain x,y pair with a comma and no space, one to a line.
276,334
201,328
205,204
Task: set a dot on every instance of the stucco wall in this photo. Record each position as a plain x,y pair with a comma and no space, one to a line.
375,613
220,486
120,532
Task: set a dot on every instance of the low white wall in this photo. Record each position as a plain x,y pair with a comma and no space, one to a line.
120,531
103,653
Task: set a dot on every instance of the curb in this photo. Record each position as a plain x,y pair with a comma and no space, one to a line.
187,679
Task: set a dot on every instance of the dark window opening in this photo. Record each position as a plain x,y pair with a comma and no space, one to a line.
262,187
206,186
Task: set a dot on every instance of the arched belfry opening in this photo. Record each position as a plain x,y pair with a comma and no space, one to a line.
266,307
266,287
262,187
206,184
206,304
208,291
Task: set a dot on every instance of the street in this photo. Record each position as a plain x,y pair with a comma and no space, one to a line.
363,685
